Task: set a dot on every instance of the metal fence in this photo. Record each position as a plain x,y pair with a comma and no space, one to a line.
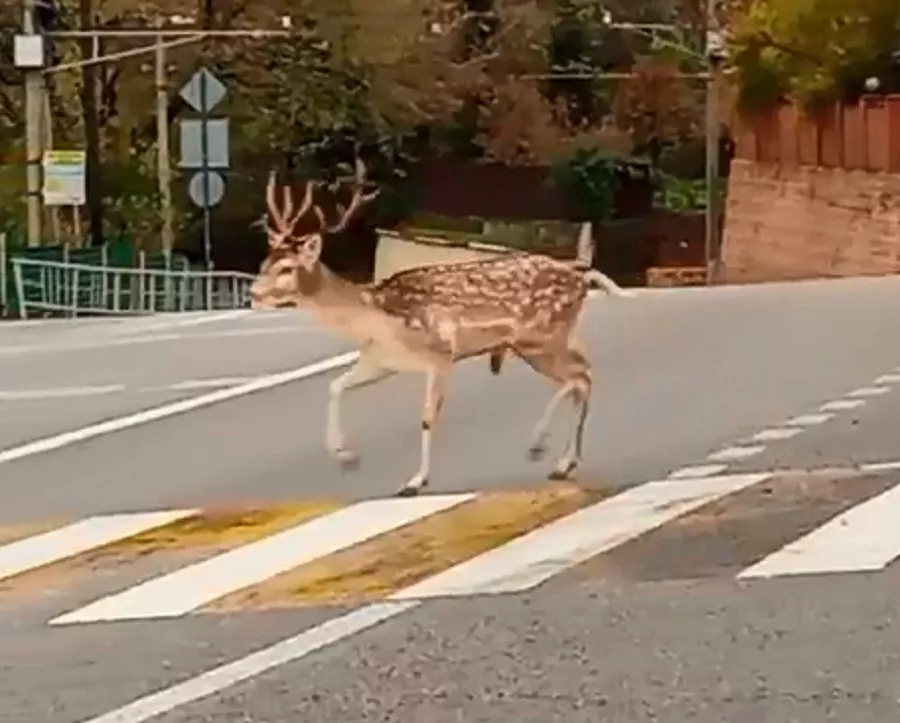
120,253
83,289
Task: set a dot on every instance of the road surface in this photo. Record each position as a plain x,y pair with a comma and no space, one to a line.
175,545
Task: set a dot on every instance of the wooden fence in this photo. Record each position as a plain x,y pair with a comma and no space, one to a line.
865,136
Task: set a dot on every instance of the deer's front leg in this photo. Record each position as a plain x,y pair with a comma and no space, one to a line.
434,399
364,372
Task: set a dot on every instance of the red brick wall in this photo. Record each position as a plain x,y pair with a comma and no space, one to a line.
792,222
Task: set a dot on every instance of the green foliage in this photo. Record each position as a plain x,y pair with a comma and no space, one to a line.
674,193
590,179
812,51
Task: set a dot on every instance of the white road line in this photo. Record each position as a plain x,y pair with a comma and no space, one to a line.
27,395
842,405
192,384
152,339
809,420
699,470
880,466
196,585
775,434
732,454
888,379
224,676
87,534
865,538
118,424
865,392
530,560
177,321
338,629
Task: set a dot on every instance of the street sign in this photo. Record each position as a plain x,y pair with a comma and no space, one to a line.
204,146
203,91
65,174
215,187
217,147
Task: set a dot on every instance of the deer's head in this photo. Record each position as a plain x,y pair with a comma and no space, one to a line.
292,269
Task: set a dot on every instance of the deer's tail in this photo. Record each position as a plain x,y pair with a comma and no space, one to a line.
606,284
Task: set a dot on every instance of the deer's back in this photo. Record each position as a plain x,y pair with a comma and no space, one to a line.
520,286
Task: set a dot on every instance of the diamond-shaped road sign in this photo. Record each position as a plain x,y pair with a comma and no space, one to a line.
203,99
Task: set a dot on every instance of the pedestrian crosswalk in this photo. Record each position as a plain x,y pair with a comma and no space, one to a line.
167,564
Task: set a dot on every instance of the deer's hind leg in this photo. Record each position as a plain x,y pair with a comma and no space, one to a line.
566,364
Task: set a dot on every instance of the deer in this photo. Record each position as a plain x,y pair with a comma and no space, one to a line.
427,319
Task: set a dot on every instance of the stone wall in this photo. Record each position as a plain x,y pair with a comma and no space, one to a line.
792,222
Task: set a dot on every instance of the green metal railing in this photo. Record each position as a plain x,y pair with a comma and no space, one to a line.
112,279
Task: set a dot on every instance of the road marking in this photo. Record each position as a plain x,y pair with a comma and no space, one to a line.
118,424
191,384
776,434
87,534
865,538
880,466
177,321
250,666
30,395
530,560
809,420
732,454
888,379
151,339
386,563
700,470
191,587
864,392
273,656
842,405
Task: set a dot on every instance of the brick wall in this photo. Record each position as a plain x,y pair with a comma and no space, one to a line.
791,222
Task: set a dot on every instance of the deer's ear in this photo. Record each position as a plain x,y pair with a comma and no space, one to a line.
309,252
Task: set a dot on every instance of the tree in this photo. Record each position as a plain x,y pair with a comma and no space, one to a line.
813,51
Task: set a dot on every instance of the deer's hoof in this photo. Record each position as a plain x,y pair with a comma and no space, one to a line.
537,451
408,492
563,470
346,458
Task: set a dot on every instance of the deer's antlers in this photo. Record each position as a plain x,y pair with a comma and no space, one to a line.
358,200
284,221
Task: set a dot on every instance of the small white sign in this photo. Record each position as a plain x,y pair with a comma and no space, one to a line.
28,51
197,189
192,130
65,178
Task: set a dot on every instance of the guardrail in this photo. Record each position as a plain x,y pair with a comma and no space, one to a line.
83,289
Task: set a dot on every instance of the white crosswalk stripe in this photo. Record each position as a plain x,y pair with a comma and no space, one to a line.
412,549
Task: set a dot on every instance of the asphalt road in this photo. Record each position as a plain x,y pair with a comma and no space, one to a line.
655,628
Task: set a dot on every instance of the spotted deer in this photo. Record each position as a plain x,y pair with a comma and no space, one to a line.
428,318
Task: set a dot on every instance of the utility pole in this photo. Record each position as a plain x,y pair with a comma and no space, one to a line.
714,56
34,108
163,166
91,115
